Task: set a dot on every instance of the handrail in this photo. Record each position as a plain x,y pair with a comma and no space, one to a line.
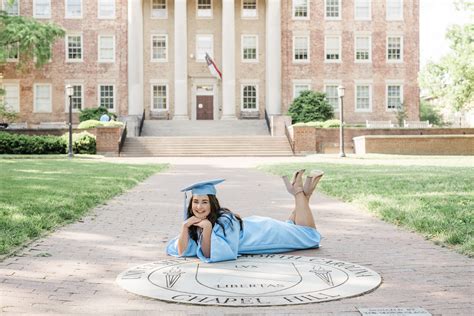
122,138
267,120
290,140
141,123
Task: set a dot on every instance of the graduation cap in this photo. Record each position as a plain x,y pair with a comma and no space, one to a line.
200,188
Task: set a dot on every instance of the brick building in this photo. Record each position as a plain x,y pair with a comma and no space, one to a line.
148,55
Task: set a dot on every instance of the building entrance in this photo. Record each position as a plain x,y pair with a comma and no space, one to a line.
205,102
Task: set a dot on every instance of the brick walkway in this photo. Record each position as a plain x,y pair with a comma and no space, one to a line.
73,270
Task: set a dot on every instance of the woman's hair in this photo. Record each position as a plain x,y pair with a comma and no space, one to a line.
214,216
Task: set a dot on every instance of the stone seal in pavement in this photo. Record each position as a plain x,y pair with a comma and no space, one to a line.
251,280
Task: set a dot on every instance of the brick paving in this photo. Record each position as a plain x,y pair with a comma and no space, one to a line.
73,270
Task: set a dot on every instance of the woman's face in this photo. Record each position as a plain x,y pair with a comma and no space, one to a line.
201,206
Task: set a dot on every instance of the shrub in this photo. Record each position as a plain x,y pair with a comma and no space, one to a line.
310,106
430,113
95,114
82,143
35,145
331,123
112,124
89,124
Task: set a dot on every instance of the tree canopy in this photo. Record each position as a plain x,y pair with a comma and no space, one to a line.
452,78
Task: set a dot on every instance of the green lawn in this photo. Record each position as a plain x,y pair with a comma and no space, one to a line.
37,195
437,202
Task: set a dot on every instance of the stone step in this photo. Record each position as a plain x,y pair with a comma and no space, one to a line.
204,128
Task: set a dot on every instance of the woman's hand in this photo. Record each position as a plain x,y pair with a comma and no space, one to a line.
204,224
191,221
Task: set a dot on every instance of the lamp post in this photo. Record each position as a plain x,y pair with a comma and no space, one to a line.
69,93
340,92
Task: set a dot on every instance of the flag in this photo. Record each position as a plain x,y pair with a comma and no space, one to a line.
212,67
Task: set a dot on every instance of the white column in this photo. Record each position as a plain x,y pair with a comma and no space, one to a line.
135,57
273,57
228,60
180,61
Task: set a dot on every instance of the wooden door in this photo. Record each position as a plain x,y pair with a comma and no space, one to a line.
204,107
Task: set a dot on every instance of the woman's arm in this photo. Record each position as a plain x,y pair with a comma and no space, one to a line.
184,235
205,237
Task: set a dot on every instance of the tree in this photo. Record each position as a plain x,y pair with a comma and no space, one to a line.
452,79
310,106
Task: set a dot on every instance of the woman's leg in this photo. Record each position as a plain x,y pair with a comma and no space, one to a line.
302,214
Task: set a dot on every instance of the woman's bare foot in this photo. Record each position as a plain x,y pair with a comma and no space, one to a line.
311,182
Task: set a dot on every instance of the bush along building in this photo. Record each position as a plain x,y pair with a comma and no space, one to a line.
220,59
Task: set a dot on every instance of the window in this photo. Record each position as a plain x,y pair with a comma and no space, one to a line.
363,98
300,9
249,97
249,48
362,48
300,48
300,87
204,44
11,9
12,96
74,48
159,9
106,48
159,97
13,52
106,9
42,98
333,48
249,8
159,50
394,97
107,96
42,9
332,96
394,10
362,10
394,48
74,9
77,99
204,8
333,9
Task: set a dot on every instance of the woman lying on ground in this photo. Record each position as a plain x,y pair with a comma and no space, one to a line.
214,233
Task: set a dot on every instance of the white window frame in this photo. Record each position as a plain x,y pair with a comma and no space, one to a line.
326,11
362,61
159,83
159,13
308,43
5,86
35,14
35,106
66,98
255,60
99,47
395,61
336,83
105,17
4,7
242,86
159,60
339,60
199,12
389,16
114,90
211,53
68,60
363,83
245,13
13,60
393,83
293,11
299,82
66,14
367,18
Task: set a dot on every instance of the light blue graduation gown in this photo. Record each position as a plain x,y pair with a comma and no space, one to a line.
259,235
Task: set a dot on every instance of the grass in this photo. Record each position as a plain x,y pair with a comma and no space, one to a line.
437,202
38,195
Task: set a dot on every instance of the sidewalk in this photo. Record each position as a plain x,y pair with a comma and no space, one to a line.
73,270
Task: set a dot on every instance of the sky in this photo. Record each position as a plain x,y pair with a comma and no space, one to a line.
435,17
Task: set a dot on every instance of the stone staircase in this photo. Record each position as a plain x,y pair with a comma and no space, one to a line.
205,139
